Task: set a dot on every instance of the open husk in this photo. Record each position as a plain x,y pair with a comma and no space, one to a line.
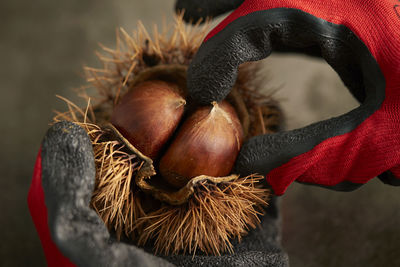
207,213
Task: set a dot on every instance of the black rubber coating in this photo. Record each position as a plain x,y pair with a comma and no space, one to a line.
389,178
202,9
68,176
213,72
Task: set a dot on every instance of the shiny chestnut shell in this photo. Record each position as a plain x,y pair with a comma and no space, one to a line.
207,144
148,114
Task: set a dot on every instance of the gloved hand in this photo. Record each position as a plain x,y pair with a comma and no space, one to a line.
73,234
359,39
62,186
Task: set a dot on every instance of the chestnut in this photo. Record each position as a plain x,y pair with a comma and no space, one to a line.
148,114
207,144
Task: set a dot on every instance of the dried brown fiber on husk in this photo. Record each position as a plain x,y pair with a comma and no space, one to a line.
214,212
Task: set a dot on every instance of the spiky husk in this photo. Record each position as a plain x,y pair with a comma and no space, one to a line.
137,52
209,220
212,217
216,213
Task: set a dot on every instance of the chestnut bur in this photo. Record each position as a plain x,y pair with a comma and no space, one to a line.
207,144
164,168
148,114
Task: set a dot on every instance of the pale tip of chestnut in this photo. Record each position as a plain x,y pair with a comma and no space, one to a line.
207,143
181,102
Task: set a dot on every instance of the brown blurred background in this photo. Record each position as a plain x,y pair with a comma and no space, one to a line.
43,46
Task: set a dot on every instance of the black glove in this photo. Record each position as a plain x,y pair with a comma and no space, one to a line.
203,9
73,234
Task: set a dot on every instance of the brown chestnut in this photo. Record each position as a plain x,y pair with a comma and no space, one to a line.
207,144
148,114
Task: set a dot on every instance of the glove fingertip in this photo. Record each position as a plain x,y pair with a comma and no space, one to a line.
194,11
68,169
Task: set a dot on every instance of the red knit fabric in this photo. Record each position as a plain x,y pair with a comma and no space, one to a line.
374,146
38,210
396,170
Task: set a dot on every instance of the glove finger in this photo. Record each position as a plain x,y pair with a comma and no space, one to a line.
194,10
68,177
388,177
343,162
391,177
213,70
